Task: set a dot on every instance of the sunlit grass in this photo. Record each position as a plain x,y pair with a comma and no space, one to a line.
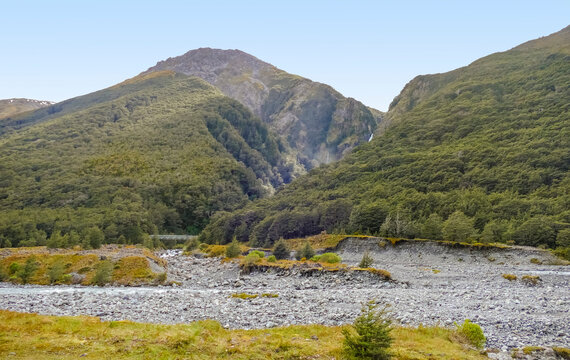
30,336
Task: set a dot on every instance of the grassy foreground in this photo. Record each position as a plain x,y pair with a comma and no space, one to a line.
31,336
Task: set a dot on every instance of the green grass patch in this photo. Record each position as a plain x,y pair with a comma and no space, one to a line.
31,336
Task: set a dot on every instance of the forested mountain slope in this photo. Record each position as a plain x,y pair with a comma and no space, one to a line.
316,121
482,152
159,152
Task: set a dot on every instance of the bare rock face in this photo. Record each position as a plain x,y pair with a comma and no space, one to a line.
318,122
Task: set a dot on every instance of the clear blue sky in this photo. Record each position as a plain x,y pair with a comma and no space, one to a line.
54,50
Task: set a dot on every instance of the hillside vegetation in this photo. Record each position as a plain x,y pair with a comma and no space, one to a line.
480,153
317,122
157,153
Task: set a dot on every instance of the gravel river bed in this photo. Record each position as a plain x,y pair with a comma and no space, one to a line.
511,313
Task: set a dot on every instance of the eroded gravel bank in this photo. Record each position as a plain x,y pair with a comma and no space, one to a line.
511,313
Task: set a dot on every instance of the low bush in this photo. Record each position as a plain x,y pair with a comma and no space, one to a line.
13,268
244,296
563,252
366,261
215,250
56,272
191,244
316,258
371,337
330,258
251,259
281,251
306,252
261,254
161,278
510,277
25,273
271,259
531,279
473,333
233,250
103,273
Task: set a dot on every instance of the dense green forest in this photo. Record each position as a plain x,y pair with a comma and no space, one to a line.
478,154
157,153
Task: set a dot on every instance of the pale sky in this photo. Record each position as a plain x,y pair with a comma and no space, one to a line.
55,50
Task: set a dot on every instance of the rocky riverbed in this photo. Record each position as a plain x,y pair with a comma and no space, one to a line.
511,313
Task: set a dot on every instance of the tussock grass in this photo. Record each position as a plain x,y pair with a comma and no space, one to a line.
32,336
127,270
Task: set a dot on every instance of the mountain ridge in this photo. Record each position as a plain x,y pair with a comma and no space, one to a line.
487,143
15,106
314,118
153,153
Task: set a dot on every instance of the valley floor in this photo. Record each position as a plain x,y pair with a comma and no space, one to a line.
511,313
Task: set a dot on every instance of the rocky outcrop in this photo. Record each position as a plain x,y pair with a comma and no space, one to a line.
316,120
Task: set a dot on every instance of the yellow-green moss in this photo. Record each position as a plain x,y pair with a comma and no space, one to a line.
562,352
244,296
531,279
510,277
530,349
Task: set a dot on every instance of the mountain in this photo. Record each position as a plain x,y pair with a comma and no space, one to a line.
478,153
317,121
11,107
159,152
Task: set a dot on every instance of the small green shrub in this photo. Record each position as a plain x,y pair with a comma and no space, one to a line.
281,251
3,275
250,259
366,261
26,273
563,252
261,254
55,272
316,258
103,273
330,258
191,244
13,268
306,252
473,333
535,261
271,259
510,277
161,278
66,278
233,250
372,339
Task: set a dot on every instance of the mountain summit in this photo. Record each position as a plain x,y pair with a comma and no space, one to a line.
317,121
